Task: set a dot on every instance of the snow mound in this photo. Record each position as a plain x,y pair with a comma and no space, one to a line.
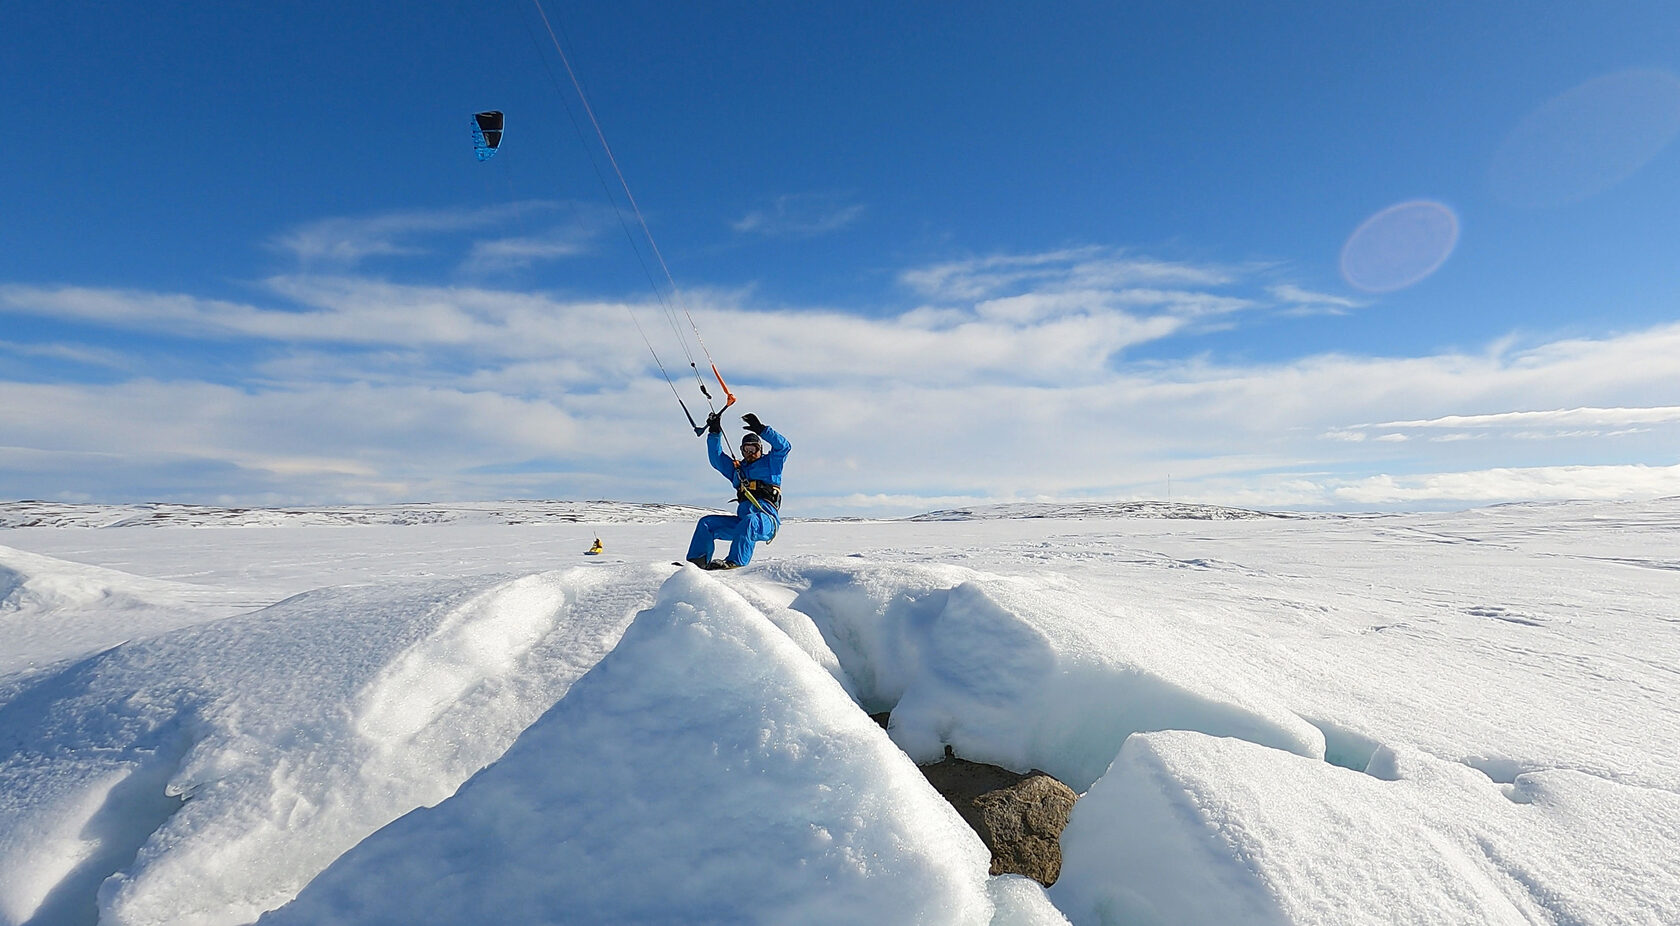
53,610
205,775
55,514
35,584
706,770
1025,672
1190,829
1027,510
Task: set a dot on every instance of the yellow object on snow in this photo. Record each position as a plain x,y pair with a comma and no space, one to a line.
594,550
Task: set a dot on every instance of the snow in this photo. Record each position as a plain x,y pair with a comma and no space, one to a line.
708,759
446,714
1191,829
269,743
1024,671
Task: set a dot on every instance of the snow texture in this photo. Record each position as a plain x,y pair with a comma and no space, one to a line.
707,759
1194,830
1024,672
221,767
1446,718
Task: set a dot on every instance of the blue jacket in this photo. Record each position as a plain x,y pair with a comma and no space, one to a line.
767,468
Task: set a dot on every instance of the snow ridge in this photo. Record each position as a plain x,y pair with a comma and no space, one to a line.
757,786
1020,671
269,744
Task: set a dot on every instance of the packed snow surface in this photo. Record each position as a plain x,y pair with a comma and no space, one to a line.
323,717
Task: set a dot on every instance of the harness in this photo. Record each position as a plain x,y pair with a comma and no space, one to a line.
766,497
760,493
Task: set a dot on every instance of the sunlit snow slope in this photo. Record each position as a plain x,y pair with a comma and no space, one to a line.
1461,718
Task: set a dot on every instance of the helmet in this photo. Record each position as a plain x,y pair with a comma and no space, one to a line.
751,439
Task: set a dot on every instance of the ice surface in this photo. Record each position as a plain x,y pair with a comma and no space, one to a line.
706,771
1426,718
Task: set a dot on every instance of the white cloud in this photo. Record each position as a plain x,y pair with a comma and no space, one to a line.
1059,335
509,253
346,241
74,353
978,279
1528,425
342,243
1008,383
389,326
1503,484
1299,301
801,215
1603,417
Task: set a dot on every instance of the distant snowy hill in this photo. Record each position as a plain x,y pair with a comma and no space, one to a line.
61,514
1175,510
519,511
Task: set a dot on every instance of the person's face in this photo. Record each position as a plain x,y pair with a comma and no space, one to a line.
750,452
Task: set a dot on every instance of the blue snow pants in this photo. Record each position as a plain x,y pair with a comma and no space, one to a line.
743,531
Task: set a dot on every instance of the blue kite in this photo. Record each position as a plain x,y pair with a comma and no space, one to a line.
487,133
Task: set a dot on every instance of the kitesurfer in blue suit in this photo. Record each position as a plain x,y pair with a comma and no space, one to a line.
757,478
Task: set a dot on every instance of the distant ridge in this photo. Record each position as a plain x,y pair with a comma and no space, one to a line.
158,514
1167,510
164,514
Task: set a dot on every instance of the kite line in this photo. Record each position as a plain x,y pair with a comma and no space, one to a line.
676,294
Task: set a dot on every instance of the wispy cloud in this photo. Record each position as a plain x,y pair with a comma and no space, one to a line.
1009,381
71,353
344,242
1299,301
1526,483
510,253
801,215
1087,268
1573,417
1546,424
1063,323
337,310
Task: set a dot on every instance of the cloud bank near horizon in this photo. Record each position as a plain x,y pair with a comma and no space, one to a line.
997,378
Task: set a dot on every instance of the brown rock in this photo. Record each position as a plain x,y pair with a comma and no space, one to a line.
1019,817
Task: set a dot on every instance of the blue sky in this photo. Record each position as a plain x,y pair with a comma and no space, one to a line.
1318,255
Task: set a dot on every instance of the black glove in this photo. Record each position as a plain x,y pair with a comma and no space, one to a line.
714,423
753,424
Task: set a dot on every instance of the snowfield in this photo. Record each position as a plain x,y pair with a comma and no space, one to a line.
446,714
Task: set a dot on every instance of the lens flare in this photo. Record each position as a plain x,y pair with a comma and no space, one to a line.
1588,139
1399,246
